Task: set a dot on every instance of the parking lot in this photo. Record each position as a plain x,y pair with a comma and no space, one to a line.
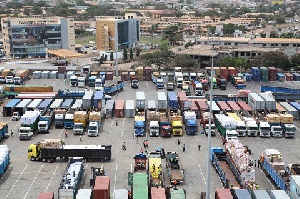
25,179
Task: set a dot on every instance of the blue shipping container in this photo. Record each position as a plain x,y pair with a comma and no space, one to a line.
242,194
280,77
255,71
172,101
296,76
98,97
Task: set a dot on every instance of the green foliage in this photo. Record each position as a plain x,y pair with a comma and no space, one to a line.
184,61
173,34
161,6
233,62
131,54
272,59
228,29
125,55
81,3
295,60
111,57
188,44
138,51
80,31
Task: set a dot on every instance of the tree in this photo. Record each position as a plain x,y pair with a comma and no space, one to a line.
295,60
173,34
153,28
183,60
131,54
125,56
26,12
111,57
272,59
138,50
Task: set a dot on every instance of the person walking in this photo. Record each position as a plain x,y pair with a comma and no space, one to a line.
199,147
137,140
124,146
11,133
116,122
141,151
144,144
80,138
183,147
178,141
147,144
66,134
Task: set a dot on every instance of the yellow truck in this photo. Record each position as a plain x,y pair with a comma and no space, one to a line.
155,169
177,126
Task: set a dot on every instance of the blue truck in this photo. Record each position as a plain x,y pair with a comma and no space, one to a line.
113,88
3,131
191,126
4,159
46,119
172,101
92,81
69,121
139,125
160,83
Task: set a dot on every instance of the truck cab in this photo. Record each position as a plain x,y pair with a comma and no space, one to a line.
170,86
179,81
17,81
139,128
264,129
213,129
93,129
15,116
214,81
25,133
153,128
78,129
9,79
69,121
43,127
186,88
289,130
177,128
231,135
134,83
252,128
81,81
99,84
59,120
191,127
92,81
74,81
2,80
198,89
160,83
241,128
276,131
165,130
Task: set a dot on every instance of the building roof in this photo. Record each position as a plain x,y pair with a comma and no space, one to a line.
64,53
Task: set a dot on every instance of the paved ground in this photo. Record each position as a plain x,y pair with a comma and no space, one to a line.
25,179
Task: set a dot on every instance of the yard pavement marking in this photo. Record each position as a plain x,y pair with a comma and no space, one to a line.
51,178
6,171
16,181
122,133
147,84
33,181
123,121
60,133
54,82
202,174
267,178
16,125
115,177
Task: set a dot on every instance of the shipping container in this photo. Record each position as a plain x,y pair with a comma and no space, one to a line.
294,186
87,100
109,108
84,194
296,105
140,70
280,109
234,106
34,104
61,69
9,108
98,100
242,194
162,101
124,76
178,193
256,102
272,74
101,188
224,72
270,102
260,194
278,194
217,71
158,193
183,102
5,72
289,109
223,106
202,105
151,105
296,76
129,109
172,101
46,195
255,73
289,77
223,194
247,77
109,75
140,100
147,71
264,74
121,194
119,108
22,106
232,71
148,77
280,77
140,186
243,105
77,105
215,108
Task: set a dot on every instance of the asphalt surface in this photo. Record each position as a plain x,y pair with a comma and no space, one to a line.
25,179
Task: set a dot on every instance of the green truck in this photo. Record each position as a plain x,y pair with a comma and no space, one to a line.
140,186
29,124
177,193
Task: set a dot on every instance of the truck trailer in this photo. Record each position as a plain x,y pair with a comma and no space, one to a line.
46,119
94,123
174,168
29,124
50,149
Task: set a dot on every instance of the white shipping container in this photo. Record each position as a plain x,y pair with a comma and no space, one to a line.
140,100
29,117
256,102
87,99
34,104
129,109
279,194
289,109
270,103
294,186
151,105
260,194
56,103
121,194
215,107
84,194
162,100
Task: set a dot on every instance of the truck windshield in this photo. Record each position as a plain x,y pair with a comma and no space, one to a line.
177,127
179,81
252,128
24,131
290,129
277,129
73,80
42,125
93,128
265,128
240,128
78,127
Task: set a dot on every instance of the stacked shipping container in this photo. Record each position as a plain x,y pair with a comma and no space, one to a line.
272,73
102,188
224,72
296,76
280,77
255,72
147,73
264,74
140,73
109,75
288,77
119,109
124,76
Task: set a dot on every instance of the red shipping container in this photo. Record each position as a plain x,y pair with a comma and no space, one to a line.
46,195
148,77
158,193
102,188
223,194
289,77
109,75
224,72
244,106
181,99
202,105
124,76
147,70
272,74
223,106
232,71
195,108
119,108
233,105
61,69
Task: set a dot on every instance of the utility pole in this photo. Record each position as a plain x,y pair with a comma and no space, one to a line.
116,43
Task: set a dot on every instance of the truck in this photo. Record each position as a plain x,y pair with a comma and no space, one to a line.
69,120
170,86
240,125
29,124
214,82
271,162
155,170
99,83
134,83
94,123
49,149
153,123
256,102
264,129
191,126
73,81
160,83
274,121
176,124
252,128
9,79
80,122
222,83
46,119
59,118
4,159
179,79
198,88
91,81
3,131
174,168
240,84
140,101
21,76
139,124
81,81
164,125
226,126
71,180
186,88
212,129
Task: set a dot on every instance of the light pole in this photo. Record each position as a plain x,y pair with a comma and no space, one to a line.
209,129
116,46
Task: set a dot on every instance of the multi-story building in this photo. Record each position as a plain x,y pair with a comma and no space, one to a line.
24,37
118,32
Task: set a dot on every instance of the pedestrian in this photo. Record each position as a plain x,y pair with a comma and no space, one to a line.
77,61
144,143
183,147
66,134
147,144
141,151
224,141
11,133
199,147
117,93
254,163
178,141
116,122
137,140
124,146
80,138
258,163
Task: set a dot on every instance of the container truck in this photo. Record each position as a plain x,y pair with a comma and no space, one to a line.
176,124
50,149
164,125
4,159
290,109
226,126
20,77
101,188
264,129
191,126
212,129
74,81
177,193
174,168
179,79
9,79
252,128
29,124
139,124
186,88
256,102
241,128
67,104
3,131
94,123
59,118
80,122
172,101
22,106
170,86
198,88
69,121
155,170
134,83
270,103
140,101
46,119
222,83
161,101
91,81
153,123
71,180
9,108
289,130
99,83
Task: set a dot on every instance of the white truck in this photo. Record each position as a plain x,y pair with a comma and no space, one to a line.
73,81
9,79
264,129
276,131
153,123
16,116
179,79
198,89
289,130
99,85
252,128
212,128
186,88
78,129
231,135
81,81
241,128
94,124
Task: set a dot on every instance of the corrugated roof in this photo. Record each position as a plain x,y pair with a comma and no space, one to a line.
64,53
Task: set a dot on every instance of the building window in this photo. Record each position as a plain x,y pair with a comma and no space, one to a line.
264,45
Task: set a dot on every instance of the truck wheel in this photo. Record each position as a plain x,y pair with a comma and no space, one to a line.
32,158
